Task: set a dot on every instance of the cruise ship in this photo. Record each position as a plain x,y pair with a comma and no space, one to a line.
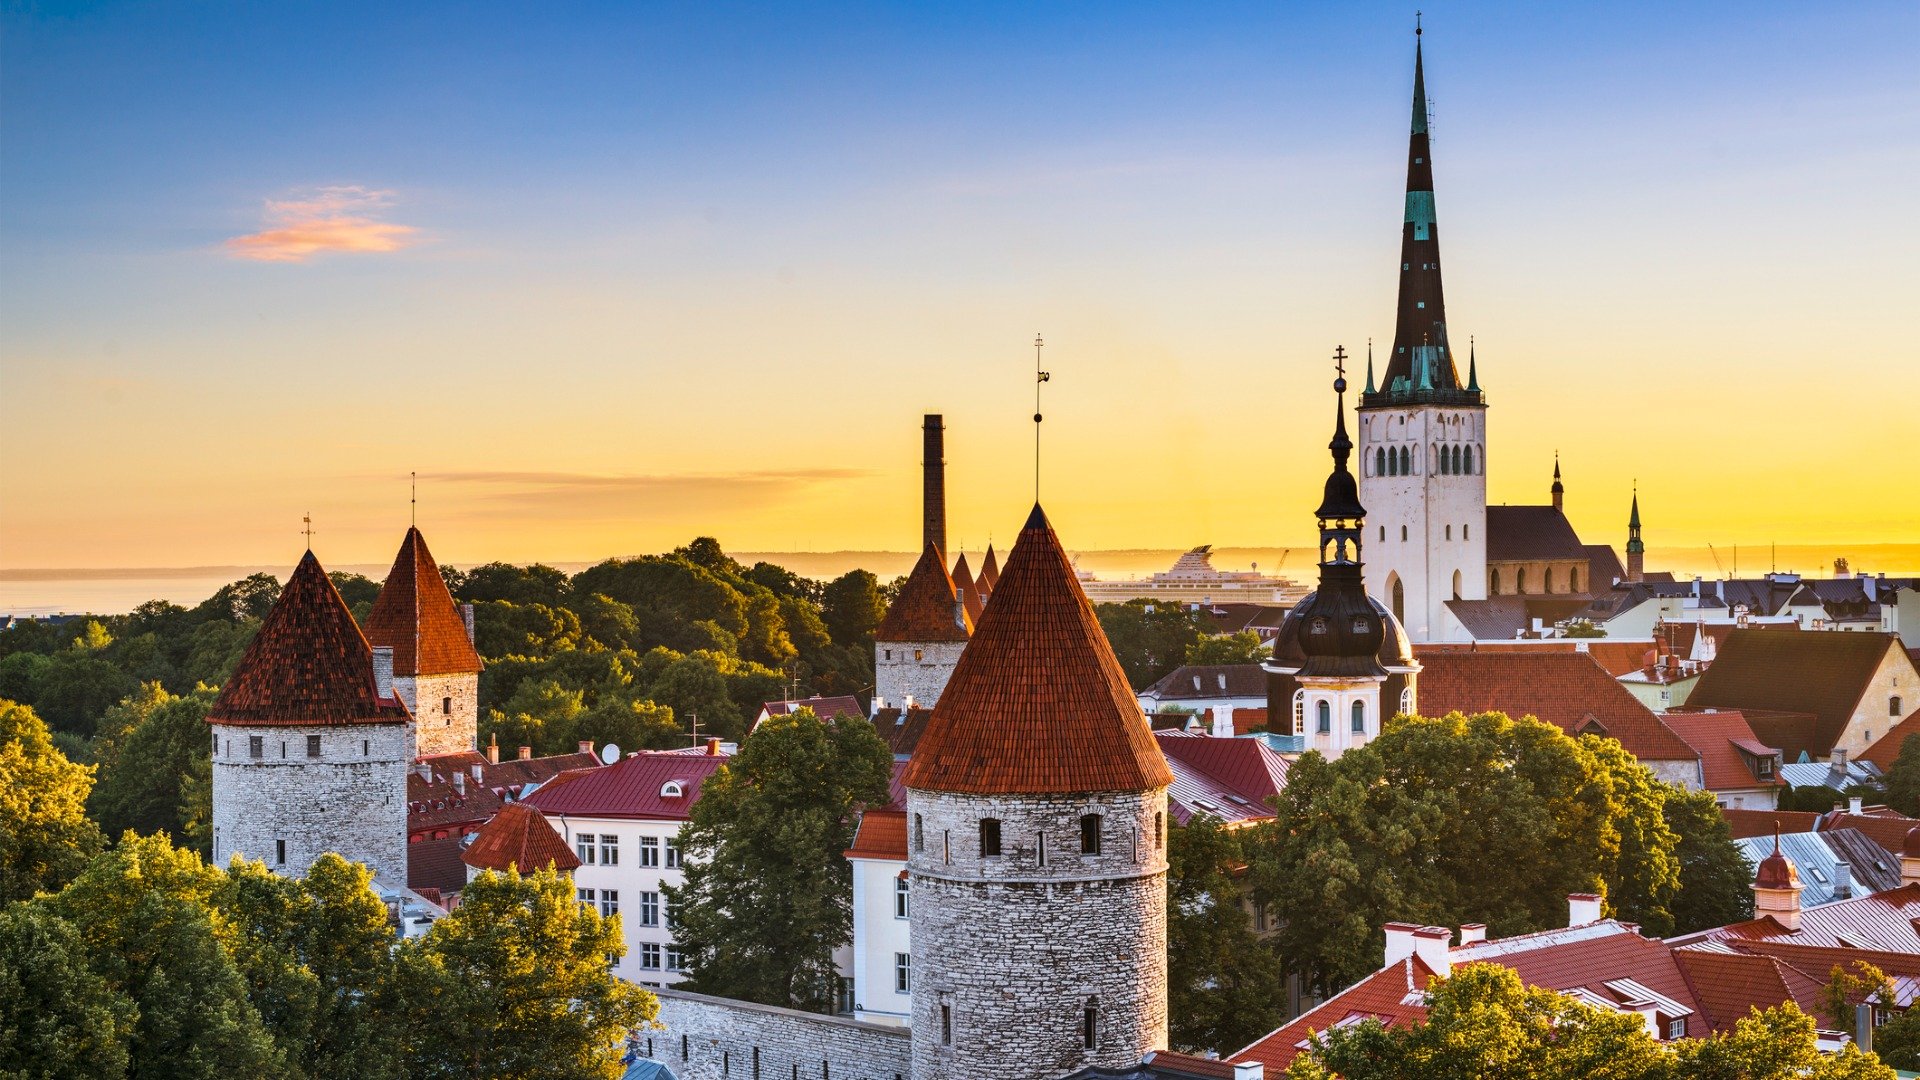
1194,580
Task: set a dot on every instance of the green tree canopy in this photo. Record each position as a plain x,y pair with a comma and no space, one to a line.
1241,648
1225,988
46,837
158,775
1150,639
58,1019
1716,884
1903,780
768,893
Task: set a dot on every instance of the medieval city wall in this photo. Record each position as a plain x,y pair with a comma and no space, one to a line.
711,1038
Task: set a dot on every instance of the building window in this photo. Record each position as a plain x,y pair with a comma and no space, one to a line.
609,903
1040,848
583,847
1466,532
1520,580
1089,1024
902,973
1089,834
1493,582
609,850
366,748
216,745
283,749
919,654
1406,701
313,746
902,895
673,853
256,746
650,956
946,1025
1324,718
1677,1029
1466,459
584,896
1893,705
676,960
649,909
1406,461
1359,718
1159,828
1548,580
919,834
1449,532
1299,712
989,838
946,846
1573,581
649,851
1403,534
280,852
1379,462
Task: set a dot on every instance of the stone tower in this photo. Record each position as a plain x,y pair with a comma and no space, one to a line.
1037,833
1636,548
1423,436
1341,663
435,668
310,742
921,638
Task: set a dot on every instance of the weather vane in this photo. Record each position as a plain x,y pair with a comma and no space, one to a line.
413,499
306,523
1039,377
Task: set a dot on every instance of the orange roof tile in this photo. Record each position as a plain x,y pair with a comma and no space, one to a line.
1729,985
1716,737
307,665
1038,703
519,837
968,589
415,615
990,570
1883,920
1571,691
1395,995
1749,823
1887,747
927,608
882,835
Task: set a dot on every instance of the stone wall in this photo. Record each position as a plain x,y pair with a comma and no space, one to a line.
352,799
1009,951
451,720
913,669
710,1038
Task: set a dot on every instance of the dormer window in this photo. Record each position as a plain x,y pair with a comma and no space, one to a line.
1318,626
672,789
1359,624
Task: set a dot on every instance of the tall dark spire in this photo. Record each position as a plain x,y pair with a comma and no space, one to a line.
1341,630
1559,490
1636,548
1420,367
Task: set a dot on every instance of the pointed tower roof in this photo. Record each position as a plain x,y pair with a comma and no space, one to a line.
928,607
1558,488
990,571
307,665
968,589
416,617
1038,704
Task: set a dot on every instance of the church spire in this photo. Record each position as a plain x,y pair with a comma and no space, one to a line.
1636,548
1420,367
1344,631
1559,490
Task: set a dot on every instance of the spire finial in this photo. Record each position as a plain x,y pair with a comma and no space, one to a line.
1039,377
1416,24
1341,444
413,499
306,523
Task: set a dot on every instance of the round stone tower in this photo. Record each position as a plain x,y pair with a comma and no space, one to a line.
1037,836
310,743
919,642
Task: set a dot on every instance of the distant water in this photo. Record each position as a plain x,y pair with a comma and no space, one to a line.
116,590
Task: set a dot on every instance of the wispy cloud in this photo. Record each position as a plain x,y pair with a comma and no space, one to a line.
345,218
604,496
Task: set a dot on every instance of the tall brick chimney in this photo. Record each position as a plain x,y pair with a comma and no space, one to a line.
933,493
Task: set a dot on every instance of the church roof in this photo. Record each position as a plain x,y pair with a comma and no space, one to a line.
1821,672
415,615
308,664
519,837
1038,703
968,589
1526,533
924,609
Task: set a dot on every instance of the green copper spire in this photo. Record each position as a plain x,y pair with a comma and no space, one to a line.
1370,366
1473,367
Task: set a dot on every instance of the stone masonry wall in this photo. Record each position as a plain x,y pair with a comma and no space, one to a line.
438,730
898,675
352,799
1015,947
710,1038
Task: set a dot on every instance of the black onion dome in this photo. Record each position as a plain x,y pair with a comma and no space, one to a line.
1395,651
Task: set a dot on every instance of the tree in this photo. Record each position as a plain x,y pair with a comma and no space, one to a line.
515,983
1777,1044
541,714
1483,1023
1846,988
58,1019
631,725
852,606
519,585
78,686
504,629
141,909
1149,639
1224,987
161,770
1903,779
354,589
1715,880
46,838
768,893
1643,878
246,600
1241,648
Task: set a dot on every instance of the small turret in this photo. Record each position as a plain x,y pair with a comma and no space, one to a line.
1776,888
1636,549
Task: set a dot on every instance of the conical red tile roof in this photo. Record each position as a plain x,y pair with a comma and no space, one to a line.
519,837
968,589
1038,703
416,616
925,608
307,665
990,571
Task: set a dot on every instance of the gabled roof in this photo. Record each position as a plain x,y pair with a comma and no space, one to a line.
1729,985
1883,826
519,838
1885,920
1568,690
826,708
307,665
1887,747
1230,779
1038,703
416,616
1719,738
1203,681
928,607
882,835
1618,655
1817,855
435,864
1498,618
969,591
901,730
1395,996
636,787
1822,672
1529,533
435,802
1603,567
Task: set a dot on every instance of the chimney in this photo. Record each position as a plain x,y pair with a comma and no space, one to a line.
908,707
493,749
586,746
713,747
1863,1027
933,491
1853,806
1582,908
1399,941
1430,944
1223,721
460,784
526,753
425,769
1843,880
1910,858
1839,757
466,616
383,671
1249,1070
1473,933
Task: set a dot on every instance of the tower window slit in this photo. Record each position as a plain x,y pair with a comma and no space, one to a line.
1090,834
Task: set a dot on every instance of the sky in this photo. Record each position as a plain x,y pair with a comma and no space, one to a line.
608,277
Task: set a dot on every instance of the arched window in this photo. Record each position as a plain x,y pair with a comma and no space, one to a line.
1493,583
1548,584
1520,580
989,838
1089,834
1359,718
1456,584
1159,828
1406,461
1403,534
1380,462
1459,458
1466,530
1325,718
1393,463
1299,712
1439,456
1573,580
1383,534
1449,532
1406,701
1399,600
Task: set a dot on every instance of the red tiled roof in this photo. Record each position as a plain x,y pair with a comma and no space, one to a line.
519,838
435,803
307,665
1586,956
1716,736
1882,920
1887,747
882,835
435,864
924,609
1748,823
964,584
1038,703
990,571
1817,962
1246,721
1170,1061
1729,985
902,732
1217,770
415,614
1617,655
1822,672
1571,691
1395,995
632,788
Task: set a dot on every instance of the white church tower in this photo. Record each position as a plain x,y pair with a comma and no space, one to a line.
1423,434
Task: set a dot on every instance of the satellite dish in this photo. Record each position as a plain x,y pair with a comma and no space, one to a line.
610,753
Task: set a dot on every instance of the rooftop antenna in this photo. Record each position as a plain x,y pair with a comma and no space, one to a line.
694,734
306,522
1039,377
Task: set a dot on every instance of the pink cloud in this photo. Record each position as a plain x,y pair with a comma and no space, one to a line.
331,219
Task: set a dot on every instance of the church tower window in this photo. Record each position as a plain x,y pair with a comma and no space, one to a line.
1549,580
1380,462
1359,718
1493,582
1520,580
1089,1024
1299,712
1324,719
